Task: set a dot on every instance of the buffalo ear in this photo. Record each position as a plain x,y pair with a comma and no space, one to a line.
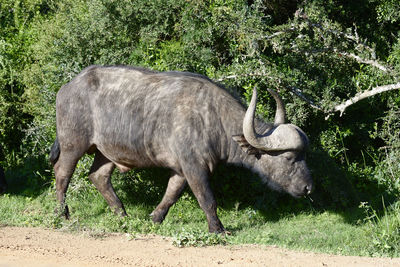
245,146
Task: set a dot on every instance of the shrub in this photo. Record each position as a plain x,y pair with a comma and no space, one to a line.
306,51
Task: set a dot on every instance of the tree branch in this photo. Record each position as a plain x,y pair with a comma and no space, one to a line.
350,37
359,59
254,74
377,90
353,38
279,33
300,94
296,91
340,107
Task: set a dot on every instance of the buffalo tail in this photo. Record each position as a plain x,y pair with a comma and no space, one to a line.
54,152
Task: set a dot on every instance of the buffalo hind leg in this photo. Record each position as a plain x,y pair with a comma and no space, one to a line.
100,175
200,186
63,170
176,184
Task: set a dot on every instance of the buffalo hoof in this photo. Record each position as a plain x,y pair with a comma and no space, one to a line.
62,212
120,212
222,231
157,216
216,227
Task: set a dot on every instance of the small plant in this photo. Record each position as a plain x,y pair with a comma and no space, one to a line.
198,238
384,229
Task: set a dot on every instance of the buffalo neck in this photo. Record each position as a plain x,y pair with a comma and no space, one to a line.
236,155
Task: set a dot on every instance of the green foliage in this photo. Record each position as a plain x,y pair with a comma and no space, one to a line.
197,239
296,47
388,11
383,229
387,171
15,17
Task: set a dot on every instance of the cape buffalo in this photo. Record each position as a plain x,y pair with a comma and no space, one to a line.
133,117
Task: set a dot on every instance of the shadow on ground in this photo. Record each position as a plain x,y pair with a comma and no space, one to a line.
234,188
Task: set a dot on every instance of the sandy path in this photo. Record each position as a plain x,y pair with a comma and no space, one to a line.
43,247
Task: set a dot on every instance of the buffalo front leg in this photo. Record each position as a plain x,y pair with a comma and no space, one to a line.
100,175
200,186
175,186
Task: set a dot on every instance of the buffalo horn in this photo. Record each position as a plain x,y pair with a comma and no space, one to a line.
280,137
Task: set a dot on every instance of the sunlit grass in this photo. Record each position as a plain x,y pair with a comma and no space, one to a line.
351,232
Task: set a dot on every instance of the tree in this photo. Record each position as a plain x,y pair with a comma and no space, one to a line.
323,58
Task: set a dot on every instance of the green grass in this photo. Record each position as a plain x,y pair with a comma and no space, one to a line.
356,231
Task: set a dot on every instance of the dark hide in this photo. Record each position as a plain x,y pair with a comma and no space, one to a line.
132,117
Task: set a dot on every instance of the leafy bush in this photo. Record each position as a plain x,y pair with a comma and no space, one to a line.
14,57
317,55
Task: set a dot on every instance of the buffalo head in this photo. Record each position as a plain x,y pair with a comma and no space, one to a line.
279,150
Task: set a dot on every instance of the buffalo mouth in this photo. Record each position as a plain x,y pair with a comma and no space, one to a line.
303,192
293,190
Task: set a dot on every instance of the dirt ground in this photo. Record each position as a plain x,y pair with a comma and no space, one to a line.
43,247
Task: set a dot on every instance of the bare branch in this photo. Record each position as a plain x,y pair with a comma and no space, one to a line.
347,36
359,59
300,94
296,91
340,107
377,90
274,35
254,74
354,38
279,33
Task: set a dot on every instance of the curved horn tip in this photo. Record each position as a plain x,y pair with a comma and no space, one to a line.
280,113
254,94
248,122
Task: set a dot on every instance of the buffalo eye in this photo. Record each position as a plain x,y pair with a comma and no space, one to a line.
289,156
